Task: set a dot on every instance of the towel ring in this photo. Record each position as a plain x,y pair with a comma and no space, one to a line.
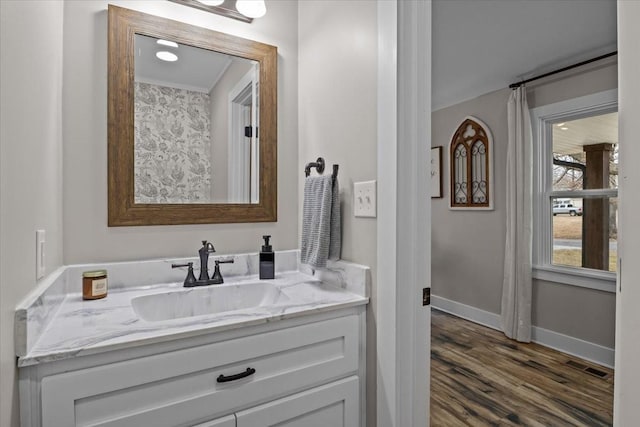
318,164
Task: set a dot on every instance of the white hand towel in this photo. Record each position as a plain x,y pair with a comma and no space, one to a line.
321,232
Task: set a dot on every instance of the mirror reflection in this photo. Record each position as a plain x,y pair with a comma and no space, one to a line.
195,125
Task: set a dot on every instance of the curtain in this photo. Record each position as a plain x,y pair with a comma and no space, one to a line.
516,287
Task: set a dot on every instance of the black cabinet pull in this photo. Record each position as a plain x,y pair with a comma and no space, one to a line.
226,379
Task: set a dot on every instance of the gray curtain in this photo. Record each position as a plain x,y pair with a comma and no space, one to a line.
516,287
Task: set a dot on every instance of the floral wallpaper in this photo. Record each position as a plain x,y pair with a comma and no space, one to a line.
172,145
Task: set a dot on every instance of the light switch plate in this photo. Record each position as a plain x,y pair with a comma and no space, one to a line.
364,199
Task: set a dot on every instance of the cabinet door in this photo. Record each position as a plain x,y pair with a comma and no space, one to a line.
229,421
335,404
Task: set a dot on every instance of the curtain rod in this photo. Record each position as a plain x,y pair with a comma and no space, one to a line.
579,64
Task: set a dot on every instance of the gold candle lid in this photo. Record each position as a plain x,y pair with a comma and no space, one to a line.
95,273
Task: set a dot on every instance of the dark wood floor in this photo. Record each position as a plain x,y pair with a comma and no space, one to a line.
481,378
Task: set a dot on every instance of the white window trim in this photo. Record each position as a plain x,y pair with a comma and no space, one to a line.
542,119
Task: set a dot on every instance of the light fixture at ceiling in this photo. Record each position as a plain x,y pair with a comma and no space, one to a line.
251,8
211,2
244,10
560,124
564,128
166,56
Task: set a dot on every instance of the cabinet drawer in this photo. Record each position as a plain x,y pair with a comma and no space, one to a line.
180,388
331,405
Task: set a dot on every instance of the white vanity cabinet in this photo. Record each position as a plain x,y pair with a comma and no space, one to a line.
309,371
332,405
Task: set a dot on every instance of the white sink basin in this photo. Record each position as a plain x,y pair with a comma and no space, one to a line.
206,300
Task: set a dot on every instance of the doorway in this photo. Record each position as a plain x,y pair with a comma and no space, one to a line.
243,140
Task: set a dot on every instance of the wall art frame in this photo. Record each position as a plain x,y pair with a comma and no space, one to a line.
436,172
471,166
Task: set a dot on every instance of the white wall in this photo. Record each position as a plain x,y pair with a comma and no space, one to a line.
30,164
337,121
87,237
468,246
467,255
587,314
625,402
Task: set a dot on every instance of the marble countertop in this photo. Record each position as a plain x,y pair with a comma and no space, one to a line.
82,327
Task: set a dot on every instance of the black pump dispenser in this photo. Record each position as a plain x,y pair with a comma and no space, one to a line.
266,247
267,260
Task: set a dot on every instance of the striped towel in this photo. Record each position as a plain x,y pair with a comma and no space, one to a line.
321,239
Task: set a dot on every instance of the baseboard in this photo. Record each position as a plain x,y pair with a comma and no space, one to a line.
595,353
574,346
467,312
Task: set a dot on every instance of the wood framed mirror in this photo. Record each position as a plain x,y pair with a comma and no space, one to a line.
171,159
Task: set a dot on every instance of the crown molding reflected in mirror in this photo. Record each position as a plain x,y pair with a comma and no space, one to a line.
124,25
226,9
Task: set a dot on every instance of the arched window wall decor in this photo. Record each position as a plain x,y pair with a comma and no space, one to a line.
470,166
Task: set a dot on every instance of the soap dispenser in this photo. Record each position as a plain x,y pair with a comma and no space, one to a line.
267,260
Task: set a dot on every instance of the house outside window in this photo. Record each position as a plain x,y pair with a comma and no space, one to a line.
575,191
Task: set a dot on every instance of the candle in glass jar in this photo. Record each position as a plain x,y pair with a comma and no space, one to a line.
94,284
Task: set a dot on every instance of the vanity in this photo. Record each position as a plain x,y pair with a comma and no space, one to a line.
288,351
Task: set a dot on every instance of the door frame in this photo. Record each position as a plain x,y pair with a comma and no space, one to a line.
404,218
627,375
243,178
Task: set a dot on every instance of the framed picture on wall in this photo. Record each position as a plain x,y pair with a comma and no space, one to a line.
436,177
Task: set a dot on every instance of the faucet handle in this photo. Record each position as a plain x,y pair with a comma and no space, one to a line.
190,280
217,279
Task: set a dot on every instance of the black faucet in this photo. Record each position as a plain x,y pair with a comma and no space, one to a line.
204,279
205,250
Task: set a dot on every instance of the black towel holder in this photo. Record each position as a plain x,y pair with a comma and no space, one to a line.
334,174
319,165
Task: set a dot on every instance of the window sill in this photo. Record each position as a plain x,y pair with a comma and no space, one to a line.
591,279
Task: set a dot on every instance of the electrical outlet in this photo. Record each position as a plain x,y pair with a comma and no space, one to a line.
364,199
40,265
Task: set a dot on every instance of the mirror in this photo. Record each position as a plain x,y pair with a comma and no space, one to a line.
195,112
192,124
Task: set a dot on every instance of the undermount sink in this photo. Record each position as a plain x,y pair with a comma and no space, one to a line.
207,300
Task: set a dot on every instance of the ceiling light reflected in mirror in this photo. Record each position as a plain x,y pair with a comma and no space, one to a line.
167,43
167,56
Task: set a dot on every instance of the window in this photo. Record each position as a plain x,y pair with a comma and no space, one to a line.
470,166
575,191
